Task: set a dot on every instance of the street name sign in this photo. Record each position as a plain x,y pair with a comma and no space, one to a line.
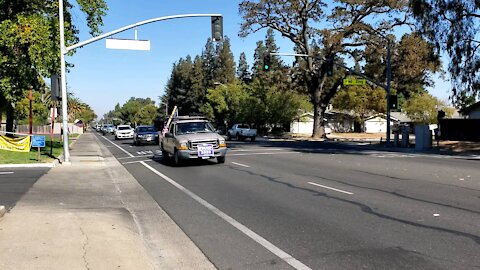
354,81
127,44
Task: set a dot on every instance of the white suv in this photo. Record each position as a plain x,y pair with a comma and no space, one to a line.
123,132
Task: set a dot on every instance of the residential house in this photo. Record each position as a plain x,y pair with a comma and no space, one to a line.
336,122
472,111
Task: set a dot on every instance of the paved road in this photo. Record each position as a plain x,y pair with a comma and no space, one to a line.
15,182
321,206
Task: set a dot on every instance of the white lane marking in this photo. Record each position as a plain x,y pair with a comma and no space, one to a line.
125,151
243,165
253,149
139,161
265,153
335,189
6,172
134,157
254,236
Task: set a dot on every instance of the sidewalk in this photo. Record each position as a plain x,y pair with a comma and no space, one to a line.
93,215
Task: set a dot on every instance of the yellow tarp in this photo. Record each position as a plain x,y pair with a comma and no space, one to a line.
15,144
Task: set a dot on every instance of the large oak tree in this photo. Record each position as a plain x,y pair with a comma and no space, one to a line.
323,29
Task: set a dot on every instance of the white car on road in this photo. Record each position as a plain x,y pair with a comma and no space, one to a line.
123,132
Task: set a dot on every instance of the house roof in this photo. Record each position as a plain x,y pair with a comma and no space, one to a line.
400,116
383,116
470,108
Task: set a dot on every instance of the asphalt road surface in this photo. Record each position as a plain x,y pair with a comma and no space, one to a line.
288,205
15,182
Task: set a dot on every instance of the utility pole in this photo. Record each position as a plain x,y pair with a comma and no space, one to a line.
30,116
389,78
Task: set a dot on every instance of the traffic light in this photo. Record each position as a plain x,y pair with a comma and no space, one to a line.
393,102
329,66
266,62
56,87
217,28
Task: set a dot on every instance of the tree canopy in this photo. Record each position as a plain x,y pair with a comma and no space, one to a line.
453,26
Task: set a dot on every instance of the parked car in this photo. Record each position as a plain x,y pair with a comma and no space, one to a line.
192,138
124,132
242,131
145,134
107,128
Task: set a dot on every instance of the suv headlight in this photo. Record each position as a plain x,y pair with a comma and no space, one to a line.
221,143
182,146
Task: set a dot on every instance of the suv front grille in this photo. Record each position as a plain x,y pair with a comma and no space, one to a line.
193,145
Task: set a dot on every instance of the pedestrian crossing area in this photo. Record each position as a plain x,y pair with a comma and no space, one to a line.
149,152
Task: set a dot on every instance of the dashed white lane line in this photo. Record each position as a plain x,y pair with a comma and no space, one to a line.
242,165
264,153
134,157
6,172
331,188
253,149
138,161
125,151
254,236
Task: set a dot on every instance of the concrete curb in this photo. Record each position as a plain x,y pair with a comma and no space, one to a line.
3,210
33,165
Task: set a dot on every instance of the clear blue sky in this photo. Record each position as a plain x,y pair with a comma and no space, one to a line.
103,77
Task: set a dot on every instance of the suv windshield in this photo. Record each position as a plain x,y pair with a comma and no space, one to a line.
194,127
146,129
124,128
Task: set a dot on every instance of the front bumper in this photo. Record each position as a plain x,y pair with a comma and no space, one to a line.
152,139
124,136
193,154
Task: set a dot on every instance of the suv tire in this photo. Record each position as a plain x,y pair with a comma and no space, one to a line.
176,158
221,160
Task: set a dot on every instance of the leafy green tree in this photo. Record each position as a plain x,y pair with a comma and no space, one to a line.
130,109
29,44
453,26
210,63
362,100
243,72
146,115
39,110
224,102
423,108
225,71
340,27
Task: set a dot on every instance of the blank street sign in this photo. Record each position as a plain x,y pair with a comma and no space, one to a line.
127,44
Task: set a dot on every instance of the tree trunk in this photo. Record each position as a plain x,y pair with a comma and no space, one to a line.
10,118
318,116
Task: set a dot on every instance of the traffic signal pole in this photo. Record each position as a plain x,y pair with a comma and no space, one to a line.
64,50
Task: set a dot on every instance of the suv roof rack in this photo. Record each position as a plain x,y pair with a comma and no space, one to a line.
191,117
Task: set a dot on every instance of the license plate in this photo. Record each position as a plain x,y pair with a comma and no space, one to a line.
205,150
149,139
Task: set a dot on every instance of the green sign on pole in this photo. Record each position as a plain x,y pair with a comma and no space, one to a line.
354,81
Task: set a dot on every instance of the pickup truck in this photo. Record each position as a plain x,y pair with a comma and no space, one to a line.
242,131
192,138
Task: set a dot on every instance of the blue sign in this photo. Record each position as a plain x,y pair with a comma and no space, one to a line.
38,141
